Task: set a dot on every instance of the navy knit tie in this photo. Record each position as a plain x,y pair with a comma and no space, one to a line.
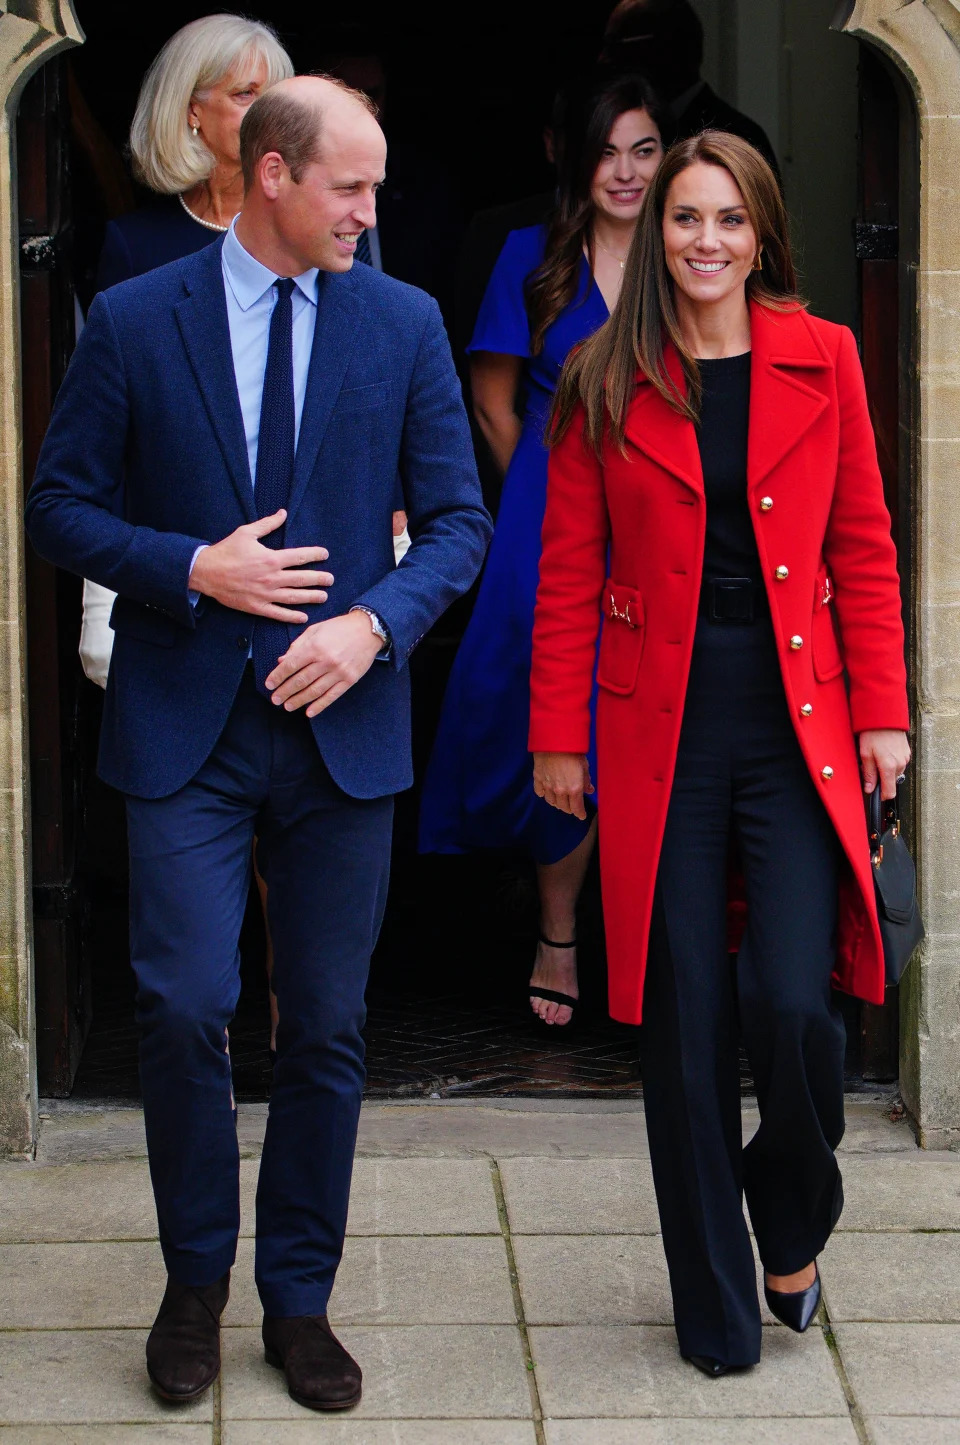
275,453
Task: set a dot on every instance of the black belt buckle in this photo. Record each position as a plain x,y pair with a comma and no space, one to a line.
732,599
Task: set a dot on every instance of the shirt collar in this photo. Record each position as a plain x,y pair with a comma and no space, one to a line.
250,280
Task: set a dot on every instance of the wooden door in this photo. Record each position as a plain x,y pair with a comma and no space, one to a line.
53,598
886,253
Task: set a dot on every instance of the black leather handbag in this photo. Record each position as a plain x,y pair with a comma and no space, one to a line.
895,881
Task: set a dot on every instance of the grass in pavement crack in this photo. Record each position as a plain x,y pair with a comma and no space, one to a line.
528,1360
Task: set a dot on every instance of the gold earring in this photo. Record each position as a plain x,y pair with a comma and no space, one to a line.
758,263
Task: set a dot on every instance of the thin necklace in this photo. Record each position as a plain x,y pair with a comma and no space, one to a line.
621,259
210,225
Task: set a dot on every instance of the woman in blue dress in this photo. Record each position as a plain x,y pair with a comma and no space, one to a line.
552,286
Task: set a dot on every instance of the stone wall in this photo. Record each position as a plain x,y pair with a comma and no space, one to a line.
922,37
31,31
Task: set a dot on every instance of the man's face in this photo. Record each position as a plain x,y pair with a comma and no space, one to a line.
320,219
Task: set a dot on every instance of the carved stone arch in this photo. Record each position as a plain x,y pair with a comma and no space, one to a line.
31,32
922,38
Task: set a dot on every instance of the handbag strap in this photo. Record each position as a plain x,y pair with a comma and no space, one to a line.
881,818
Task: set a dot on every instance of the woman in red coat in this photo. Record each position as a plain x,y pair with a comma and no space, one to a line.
713,442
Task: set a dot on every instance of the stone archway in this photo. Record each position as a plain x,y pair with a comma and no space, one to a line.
31,32
922,38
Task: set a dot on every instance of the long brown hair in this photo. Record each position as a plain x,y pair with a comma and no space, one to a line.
584,122
601,374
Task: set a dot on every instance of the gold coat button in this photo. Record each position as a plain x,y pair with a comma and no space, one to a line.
796,642
766,503
826,773
807,709
783,573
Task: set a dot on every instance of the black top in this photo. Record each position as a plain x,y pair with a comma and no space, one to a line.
731,548
152,236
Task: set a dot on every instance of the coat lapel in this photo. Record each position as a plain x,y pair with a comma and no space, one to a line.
202,318
787,357
334,339
661,432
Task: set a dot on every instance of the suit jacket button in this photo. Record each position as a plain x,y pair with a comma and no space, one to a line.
796,642
807,709
766,503
243,643
826,773
782,573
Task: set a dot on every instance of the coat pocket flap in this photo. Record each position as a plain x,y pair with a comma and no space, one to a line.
146,624
622,603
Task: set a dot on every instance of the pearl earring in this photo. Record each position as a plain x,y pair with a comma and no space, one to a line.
195,129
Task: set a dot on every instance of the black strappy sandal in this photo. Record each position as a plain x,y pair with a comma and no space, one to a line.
553,995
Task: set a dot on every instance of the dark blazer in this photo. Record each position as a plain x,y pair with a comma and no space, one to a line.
152,236
145,458
709,111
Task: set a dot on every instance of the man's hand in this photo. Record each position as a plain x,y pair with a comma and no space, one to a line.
323,662
243,574
884,755
562,779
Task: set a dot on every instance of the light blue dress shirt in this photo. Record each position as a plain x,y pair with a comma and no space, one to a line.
249,288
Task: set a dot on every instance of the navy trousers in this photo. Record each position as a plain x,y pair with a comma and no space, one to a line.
325,858
741,779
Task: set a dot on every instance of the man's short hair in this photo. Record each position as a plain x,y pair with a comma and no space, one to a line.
281,122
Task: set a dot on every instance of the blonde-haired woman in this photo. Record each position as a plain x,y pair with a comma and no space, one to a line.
185,141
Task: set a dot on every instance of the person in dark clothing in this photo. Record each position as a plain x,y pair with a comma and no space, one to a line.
664,40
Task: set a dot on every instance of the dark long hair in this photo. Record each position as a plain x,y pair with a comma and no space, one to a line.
601,374
586,118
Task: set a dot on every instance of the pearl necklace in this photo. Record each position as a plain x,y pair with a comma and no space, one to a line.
210,225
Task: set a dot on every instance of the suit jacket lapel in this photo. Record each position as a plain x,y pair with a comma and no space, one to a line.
662,433
334,339
787,355
202,318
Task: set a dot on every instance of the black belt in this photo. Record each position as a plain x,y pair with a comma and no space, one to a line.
733,599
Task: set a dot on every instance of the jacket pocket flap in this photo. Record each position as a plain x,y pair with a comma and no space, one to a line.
622,603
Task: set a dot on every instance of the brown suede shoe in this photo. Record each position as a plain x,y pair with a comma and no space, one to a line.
183,1348
320,1374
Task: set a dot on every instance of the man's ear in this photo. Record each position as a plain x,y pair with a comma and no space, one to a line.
270,174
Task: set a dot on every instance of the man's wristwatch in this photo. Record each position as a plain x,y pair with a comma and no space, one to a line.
378,629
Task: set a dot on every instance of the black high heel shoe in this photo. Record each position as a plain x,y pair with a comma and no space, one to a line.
553,995
796,1309
708,1366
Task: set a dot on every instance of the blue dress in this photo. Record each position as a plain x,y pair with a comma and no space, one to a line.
478,790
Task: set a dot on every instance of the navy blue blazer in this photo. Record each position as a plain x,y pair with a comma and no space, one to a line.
145,458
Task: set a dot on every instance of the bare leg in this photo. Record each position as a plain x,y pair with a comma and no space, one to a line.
793,1283
559,885
262,890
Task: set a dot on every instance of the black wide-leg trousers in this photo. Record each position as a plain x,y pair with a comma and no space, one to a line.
741,779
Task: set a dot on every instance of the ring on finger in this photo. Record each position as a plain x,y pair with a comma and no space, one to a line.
901,778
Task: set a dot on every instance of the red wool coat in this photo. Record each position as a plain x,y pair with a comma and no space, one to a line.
829,564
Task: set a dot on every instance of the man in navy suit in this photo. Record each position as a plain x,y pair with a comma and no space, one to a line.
230,426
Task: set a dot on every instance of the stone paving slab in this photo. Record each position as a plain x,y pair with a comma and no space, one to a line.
381,1432
80,1286
76,1202
423,1196
901,1192
599,1280
446,1372
580,1196
106,1434
84,1377
912,1430
626,1371
903,1369
400,1281
914,1277
830,1431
